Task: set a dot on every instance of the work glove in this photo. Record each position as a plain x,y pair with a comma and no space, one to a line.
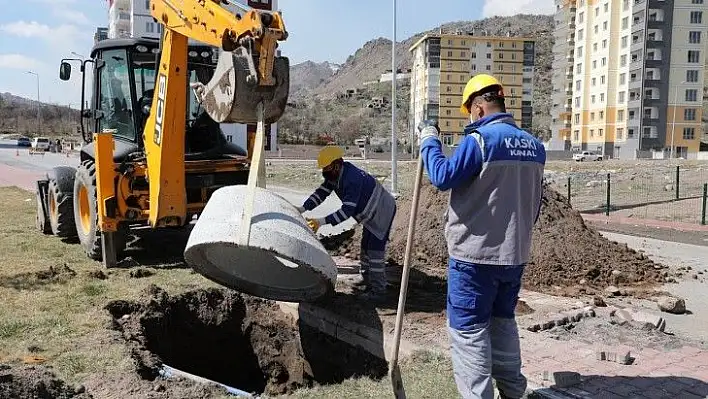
427,129
315,223
300,209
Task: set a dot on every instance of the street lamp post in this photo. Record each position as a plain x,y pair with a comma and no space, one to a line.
39,121
673,119
394,141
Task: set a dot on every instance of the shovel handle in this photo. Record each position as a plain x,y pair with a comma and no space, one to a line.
406,270
256,177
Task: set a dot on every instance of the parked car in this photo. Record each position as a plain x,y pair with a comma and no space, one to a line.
40,143
24,142
587,156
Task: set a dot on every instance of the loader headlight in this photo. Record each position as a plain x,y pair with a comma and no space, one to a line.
205,54
141,48
192,53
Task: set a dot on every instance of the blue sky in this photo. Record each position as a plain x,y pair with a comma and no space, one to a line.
37,34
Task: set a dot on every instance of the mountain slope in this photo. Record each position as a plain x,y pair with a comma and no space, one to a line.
308,75
374,58
19,115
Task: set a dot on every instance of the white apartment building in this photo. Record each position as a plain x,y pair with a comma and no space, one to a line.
132,18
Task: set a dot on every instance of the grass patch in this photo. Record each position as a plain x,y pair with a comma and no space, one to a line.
52,307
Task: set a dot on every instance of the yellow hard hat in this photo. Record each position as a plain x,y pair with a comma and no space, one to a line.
328,155
476,84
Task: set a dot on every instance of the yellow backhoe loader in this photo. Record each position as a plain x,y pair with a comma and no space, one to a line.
154,152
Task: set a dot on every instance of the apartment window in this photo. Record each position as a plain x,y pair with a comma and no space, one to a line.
577,85
606,7
501,44
592,132
620,97
689,133
696,1
625,22
624,41
625,5
620,133
594,47
474,67
594,64
448,89
603,61
580,51
513,56
691,76
489,56
592,99
449,77
595,29
580,34
604,26
600,132
694,37
623,78
147,4
463,54
696,17
513,44
623,60
448,112
604,43
501,67
602,115
577,118
449,42
577,101
578,68
489,44
647,132
149,27
602,97
488,67
602,79
693,56
691,95
592,116
620,115
594,81
576,135
449,54
464,42
501,56
597,11
689,114
581,17
474,55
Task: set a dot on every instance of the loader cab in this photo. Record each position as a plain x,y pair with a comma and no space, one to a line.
121,98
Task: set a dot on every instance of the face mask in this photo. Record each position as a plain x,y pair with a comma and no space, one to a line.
330,175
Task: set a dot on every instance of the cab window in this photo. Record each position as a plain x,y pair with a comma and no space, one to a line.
114,96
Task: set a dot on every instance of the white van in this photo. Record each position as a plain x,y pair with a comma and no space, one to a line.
40,143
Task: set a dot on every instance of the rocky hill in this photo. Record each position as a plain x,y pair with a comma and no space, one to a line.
307,76
374,58
18,115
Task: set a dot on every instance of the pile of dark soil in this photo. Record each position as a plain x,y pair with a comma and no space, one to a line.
36,382
59,274
244,342
568,257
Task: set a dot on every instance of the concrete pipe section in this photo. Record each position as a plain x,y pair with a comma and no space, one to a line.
284,260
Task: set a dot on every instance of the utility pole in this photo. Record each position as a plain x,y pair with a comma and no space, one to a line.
394,139
39,106
673,119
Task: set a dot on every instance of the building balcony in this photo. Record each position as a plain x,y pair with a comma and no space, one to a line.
650,122
655,24
637,46
652,101
653,63
570,40
568,106
569,91
634,104
635,84
653,83
658,44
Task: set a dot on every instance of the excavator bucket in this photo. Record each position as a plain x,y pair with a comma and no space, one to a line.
233,93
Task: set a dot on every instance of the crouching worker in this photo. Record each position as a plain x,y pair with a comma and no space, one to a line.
364,199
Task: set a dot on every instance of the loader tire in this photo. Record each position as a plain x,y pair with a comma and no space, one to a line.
60,200
86,213
41,218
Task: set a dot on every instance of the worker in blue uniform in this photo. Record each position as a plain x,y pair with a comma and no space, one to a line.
364,199
495,179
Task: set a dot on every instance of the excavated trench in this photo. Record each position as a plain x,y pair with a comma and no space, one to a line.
240,341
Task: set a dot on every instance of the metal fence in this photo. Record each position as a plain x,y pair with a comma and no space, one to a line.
667,193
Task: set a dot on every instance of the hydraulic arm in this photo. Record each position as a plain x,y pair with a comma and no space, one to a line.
248,73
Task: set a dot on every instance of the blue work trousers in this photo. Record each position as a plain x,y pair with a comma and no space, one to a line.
373,262
484,339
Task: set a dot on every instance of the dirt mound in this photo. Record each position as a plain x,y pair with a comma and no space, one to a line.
33,280
568,257
36,382
237,340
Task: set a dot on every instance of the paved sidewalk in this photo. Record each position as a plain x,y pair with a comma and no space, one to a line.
646,222
680,373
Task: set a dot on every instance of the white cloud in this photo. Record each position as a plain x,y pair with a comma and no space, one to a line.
18,61
59,35
512,7
73,16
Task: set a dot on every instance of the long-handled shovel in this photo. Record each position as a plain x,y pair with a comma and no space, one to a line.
256,178
394,370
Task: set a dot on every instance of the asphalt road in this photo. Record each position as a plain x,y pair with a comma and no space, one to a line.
19,168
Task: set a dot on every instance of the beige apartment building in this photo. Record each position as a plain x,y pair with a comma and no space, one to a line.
443,63
629,77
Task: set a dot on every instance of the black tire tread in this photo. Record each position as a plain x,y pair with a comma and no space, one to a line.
41,217
64,225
